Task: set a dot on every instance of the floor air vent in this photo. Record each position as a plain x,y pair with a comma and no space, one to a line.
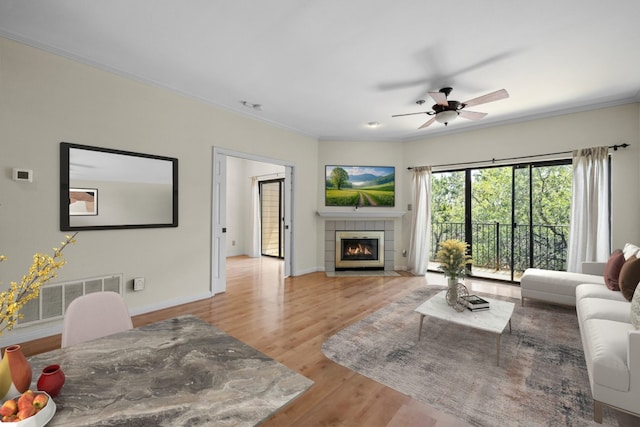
55,298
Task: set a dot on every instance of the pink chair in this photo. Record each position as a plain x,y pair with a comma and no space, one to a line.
95,315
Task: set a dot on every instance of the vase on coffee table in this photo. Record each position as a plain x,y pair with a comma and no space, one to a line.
456,293
452,290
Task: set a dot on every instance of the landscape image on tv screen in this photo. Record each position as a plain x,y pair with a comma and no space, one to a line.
360,186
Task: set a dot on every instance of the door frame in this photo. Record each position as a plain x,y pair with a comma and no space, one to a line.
219,208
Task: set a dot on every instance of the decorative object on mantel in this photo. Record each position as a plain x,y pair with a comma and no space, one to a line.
15,371
51,380
453,259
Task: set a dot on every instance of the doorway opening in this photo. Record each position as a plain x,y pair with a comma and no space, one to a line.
236,217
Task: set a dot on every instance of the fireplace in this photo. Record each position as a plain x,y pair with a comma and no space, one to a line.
359,250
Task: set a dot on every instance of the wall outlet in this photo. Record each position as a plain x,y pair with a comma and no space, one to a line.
138,283
233,243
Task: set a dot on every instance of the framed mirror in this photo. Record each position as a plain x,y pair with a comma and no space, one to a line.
102,188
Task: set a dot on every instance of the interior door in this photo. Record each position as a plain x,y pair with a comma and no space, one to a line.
219,262
288,220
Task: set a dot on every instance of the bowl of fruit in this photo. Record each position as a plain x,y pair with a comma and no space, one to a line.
30,409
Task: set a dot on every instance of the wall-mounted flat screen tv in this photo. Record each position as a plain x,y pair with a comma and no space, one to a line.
360,186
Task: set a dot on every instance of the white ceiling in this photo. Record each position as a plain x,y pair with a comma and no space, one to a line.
328,67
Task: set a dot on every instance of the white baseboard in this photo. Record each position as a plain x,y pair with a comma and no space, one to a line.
308,271
169,303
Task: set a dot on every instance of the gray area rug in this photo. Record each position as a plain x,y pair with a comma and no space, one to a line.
541,381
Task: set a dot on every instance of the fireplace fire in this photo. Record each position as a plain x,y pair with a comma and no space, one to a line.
359,250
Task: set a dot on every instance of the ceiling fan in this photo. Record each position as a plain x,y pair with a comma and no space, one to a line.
445,111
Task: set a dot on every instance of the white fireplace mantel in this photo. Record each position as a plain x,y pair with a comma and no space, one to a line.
362,213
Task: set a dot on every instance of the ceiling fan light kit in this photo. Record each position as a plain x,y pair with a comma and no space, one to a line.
446,116
445,111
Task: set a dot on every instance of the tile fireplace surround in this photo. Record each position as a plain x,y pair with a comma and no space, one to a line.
331,226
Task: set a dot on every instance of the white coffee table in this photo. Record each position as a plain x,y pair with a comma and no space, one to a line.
493,320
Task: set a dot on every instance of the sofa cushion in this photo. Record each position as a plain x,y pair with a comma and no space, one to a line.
600,308
597,291
629,250
612,270
629,277
558,282
606,343
635,309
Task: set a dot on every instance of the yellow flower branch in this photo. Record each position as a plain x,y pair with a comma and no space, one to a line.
43,268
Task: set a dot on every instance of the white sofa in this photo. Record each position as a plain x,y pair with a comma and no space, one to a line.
610,342
559,287
611,348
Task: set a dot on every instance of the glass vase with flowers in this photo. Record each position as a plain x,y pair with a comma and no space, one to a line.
453,259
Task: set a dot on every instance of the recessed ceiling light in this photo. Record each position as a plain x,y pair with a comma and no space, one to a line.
373,124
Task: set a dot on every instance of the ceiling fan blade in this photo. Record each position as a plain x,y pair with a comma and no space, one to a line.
440,98
411,114
428,123
471,115
490,97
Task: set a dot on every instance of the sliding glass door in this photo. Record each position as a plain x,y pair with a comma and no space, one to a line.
490,220
272,217
513,217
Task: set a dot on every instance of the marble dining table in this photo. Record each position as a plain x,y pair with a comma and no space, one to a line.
175,372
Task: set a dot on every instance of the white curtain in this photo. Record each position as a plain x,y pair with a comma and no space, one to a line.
255,251
589,228
421,221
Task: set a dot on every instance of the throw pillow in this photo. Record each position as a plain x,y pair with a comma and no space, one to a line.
630,250
629,277
635,309
612,270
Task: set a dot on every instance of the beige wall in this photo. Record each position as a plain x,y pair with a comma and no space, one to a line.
46,99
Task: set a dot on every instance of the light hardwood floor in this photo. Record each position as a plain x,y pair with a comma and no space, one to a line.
289,320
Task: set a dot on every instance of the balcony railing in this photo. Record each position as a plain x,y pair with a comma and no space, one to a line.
492,245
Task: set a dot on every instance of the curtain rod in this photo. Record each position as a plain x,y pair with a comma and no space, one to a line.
274,174
615,148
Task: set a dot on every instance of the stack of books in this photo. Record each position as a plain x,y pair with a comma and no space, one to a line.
475,303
